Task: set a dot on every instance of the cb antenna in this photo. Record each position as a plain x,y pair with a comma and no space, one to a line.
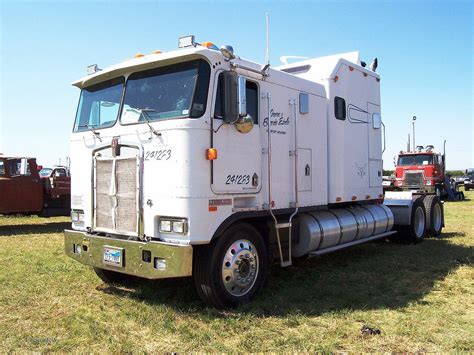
268,39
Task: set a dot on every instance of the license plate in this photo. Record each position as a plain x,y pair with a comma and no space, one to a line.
386,183
113,256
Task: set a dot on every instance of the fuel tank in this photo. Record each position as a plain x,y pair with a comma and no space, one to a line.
324,229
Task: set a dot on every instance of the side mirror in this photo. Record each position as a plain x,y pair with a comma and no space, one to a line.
231,113
242,82
23,166
235,97
244,124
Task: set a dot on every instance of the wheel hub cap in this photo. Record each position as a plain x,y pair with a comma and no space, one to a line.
240,267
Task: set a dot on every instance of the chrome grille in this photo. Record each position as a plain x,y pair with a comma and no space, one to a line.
126,172
103,200
116,195
413,179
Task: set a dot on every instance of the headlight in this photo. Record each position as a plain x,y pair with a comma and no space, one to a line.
178,227
165,226
174,225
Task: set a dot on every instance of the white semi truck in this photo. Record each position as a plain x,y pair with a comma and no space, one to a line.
196,162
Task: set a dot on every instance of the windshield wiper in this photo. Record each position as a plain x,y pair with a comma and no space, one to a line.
146,116
91,127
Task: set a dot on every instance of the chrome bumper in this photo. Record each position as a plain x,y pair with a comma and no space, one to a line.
151,260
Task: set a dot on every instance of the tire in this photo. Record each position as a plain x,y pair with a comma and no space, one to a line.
116,278
416,231
434,215
222,270
466,188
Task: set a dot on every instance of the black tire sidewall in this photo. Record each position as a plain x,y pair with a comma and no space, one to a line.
418,203
430,205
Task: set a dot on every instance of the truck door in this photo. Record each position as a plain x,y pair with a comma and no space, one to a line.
24,188
279,118
60,183
237,169
375,145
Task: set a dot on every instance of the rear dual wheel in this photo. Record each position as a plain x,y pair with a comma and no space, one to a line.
434,215
415,232
232,269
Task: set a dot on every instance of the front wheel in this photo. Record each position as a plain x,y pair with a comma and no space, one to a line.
232,269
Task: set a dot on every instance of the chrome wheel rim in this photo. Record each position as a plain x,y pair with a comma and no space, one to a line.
437,217
240,267
419,222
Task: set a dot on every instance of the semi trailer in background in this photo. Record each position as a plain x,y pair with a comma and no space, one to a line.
26,188
199,163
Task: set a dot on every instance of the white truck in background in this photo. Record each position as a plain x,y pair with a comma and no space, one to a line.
196,162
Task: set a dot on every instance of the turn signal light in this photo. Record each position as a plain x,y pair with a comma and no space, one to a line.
211,154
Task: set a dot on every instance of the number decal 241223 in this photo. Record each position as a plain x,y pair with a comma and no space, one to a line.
237,180
158,154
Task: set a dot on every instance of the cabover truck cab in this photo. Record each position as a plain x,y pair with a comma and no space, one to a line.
199,163
26,188
421,171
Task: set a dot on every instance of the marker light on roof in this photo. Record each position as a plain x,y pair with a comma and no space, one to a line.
138,55
209,45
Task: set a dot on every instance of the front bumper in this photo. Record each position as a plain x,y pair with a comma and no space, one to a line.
431,189
139,258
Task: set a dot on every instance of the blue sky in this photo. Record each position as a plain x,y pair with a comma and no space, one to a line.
425,51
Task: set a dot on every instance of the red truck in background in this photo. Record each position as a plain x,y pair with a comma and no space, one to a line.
422,171
26,188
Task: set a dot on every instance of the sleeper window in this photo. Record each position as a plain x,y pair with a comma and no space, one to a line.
340,108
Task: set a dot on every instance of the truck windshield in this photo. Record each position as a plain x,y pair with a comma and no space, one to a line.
415,159
45,172
99,105
173,91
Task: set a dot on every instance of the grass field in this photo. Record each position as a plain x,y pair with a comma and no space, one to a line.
420,297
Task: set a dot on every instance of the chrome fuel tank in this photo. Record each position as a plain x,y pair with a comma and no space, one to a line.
325,229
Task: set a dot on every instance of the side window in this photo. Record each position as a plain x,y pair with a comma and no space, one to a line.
60,173
340,108
14,166
2,168
219,107
251,89
252,100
